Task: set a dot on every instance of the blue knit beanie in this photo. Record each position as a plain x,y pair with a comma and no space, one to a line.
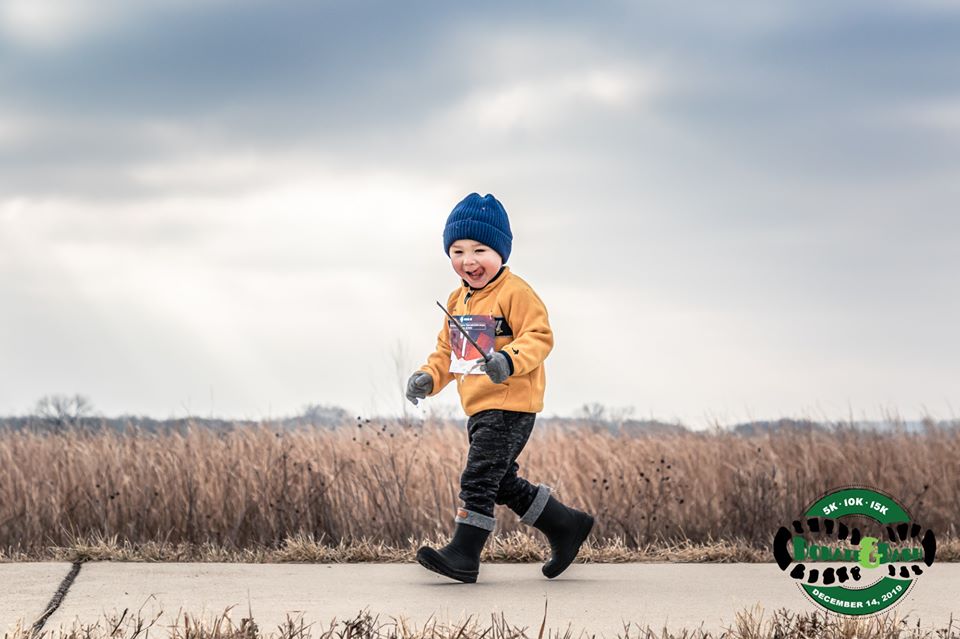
482,219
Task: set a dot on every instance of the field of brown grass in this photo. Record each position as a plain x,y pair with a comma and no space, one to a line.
392,482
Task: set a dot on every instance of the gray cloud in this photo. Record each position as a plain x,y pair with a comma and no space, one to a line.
796,90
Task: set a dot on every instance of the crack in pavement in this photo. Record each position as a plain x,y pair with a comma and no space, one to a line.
57,597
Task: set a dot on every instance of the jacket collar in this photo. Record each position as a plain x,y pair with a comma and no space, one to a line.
495,281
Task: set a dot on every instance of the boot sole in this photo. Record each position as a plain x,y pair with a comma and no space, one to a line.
433,562
585,527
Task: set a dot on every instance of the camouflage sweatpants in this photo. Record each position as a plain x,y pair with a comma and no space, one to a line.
496,438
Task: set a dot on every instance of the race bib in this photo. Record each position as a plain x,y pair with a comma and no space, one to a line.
465,359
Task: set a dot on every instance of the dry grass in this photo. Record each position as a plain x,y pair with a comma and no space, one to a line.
749,624
516,547
366,487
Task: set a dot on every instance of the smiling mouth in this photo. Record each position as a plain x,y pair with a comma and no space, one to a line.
473,274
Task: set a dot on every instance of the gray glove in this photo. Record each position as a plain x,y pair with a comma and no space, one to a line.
498,368
419,386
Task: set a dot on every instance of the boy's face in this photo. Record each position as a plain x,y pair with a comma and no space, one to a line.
476,263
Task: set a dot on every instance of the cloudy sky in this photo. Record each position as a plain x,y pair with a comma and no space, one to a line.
733,211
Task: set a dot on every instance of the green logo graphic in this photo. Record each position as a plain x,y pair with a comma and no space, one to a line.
848,573
867,555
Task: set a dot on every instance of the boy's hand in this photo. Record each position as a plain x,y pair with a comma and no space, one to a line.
498,368
419,386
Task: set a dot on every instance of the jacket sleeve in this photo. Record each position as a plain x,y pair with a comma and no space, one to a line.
533,337
438,363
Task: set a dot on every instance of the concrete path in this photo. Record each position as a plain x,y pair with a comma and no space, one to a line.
598,598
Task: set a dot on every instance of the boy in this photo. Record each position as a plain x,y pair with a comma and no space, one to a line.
501,397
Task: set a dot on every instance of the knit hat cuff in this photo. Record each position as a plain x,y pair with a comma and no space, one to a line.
479,231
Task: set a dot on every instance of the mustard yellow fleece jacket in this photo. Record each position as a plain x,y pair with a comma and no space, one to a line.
523,334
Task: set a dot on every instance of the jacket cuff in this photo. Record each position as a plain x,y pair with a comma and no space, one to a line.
509,361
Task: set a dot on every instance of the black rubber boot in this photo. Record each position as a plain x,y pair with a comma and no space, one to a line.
566,529
460,559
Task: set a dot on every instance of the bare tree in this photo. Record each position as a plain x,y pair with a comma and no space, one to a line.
593,412
61,411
